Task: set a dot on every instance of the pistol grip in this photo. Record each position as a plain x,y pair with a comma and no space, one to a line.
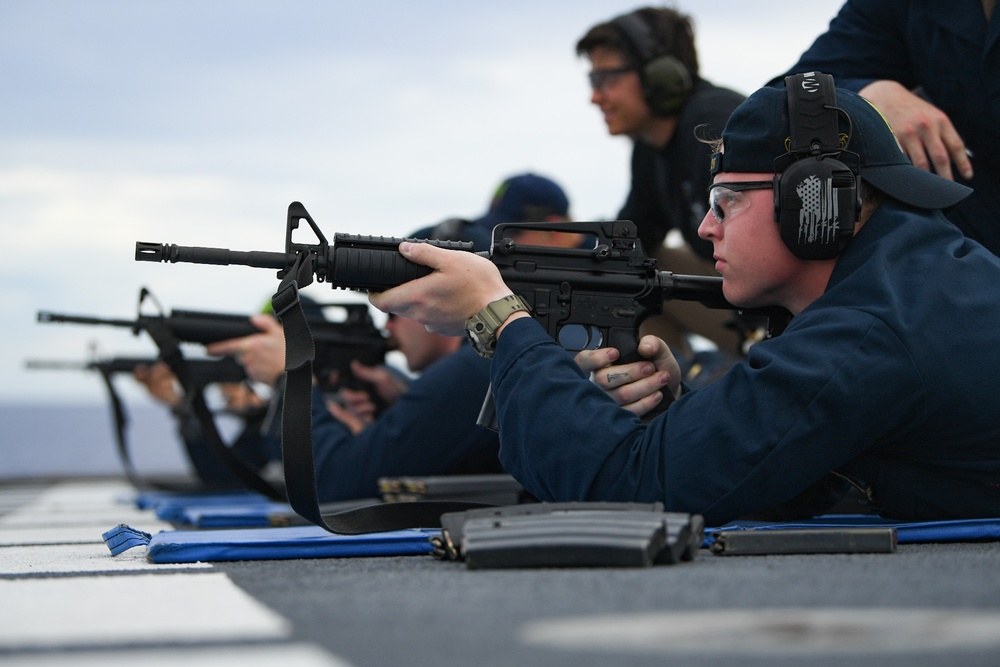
626,341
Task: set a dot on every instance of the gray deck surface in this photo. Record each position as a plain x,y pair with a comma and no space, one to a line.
65,600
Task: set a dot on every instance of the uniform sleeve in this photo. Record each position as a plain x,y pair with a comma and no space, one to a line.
865,42
430,429
803,404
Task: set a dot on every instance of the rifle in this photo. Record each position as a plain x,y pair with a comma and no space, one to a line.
169,344
206,371
338,342
203,371
606,290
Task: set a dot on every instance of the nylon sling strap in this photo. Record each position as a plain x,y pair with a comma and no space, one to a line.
120,421
170,352
296,432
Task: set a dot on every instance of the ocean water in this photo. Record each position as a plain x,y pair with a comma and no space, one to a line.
52,440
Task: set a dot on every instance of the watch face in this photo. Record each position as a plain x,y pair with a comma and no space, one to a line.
479,335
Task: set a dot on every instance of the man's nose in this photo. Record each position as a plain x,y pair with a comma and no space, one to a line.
709,227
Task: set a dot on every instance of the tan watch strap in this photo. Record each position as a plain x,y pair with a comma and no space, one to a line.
482,327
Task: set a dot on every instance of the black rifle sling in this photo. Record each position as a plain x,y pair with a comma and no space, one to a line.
120,422
296,433
170,352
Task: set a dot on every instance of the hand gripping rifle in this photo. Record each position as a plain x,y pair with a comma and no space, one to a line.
606,289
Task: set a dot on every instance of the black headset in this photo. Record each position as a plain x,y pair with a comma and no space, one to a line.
816,198
666,81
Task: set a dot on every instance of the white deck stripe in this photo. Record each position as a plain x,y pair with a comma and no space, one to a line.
89,611
27,535
300,655
80,559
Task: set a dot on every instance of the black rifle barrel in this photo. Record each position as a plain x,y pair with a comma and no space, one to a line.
705,289
193,326
46,316
172,253
354,261
209,370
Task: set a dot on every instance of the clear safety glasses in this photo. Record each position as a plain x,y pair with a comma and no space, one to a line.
727,199
603,78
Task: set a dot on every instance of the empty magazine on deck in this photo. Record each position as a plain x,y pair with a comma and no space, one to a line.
830,540
907,532
498,489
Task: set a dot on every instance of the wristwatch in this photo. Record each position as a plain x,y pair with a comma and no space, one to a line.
482,327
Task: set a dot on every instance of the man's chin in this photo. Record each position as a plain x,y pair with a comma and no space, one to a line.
616,130
739,300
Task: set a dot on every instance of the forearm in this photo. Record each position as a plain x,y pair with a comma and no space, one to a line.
430,429
545,406
865,42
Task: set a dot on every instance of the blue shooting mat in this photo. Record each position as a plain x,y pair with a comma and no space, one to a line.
247,515
255,514
190,546
170,506
151,499
907,532
232,509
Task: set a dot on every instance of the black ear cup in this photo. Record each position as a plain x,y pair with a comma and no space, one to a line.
666,81
816,207
816,198
666,84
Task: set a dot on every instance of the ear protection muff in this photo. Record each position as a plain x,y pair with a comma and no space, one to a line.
816,198
666,81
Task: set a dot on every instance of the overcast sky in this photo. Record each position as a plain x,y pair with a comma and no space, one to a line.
197,122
